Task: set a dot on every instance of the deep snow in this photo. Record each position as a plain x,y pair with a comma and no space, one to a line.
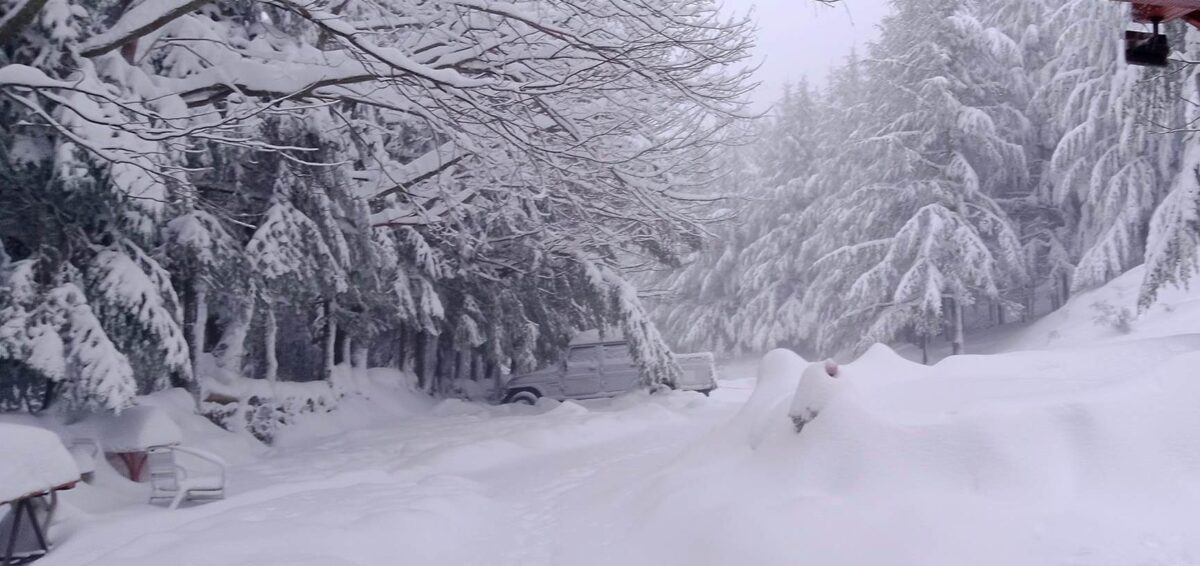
1084,452
34,460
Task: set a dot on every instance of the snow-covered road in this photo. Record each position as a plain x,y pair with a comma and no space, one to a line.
464,485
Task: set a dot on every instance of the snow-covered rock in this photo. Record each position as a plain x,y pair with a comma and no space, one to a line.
34,460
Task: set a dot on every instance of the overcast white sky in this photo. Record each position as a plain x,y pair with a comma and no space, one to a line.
803,38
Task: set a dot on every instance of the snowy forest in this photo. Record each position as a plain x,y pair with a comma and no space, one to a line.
200,192
194,192
581,282
980,164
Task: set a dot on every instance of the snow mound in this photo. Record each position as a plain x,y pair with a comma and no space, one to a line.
880,362
34,461
137,428
1023,458
820,384
778,374
198,430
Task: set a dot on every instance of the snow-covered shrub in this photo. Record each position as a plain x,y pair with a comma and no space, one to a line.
1117,318
262,408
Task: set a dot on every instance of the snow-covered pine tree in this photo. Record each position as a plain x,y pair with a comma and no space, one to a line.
1108,170
925,229
1174,237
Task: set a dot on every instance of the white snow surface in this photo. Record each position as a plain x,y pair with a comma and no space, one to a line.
137,428
33,460
817,389
1086,454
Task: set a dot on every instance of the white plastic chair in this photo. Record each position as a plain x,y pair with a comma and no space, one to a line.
85,451
170,480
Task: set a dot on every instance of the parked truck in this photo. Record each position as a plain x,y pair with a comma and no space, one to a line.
595,369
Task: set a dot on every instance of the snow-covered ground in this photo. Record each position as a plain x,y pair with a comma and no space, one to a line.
456,483
1084,452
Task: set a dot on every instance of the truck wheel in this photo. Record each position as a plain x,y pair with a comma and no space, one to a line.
524,397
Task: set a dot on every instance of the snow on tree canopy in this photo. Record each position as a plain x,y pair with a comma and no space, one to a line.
356,172
34,461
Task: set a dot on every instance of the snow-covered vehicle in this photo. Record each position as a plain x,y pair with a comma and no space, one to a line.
592,370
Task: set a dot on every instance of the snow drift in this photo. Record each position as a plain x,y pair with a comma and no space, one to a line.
1019,458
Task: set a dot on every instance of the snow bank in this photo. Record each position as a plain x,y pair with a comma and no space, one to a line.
198,430
1092,317
34,461
778,374
366,398
1085,455
1107,314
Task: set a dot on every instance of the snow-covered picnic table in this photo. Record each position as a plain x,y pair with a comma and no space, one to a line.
132,433
35,464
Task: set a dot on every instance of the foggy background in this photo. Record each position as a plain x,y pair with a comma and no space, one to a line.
802,39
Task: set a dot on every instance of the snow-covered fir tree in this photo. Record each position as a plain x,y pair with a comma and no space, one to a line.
238,189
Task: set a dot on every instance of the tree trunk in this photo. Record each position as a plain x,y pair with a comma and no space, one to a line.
269,340
957,314
330,341
198,335
497,377
948,325
401,348
229,353
200,296
925,349
232,347
347,350
361,355
14,23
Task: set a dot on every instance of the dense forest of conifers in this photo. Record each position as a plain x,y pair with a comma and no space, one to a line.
196,192
978,164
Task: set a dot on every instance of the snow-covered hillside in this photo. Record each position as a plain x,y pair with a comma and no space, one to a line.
1106,314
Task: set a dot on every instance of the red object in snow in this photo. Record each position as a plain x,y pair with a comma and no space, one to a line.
831,368
134,462
1151,11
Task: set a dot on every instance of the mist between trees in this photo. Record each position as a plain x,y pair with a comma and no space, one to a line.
978,164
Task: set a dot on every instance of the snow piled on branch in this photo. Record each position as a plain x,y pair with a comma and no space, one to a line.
141,303
56,334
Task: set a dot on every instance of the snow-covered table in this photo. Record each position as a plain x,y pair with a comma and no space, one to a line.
35,464
132,433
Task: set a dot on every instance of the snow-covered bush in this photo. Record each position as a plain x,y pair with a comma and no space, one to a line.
1117,318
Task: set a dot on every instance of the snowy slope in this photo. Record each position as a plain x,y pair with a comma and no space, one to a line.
1082,321
1176,312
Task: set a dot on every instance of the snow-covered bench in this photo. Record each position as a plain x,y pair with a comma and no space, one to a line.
170,480
35,464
